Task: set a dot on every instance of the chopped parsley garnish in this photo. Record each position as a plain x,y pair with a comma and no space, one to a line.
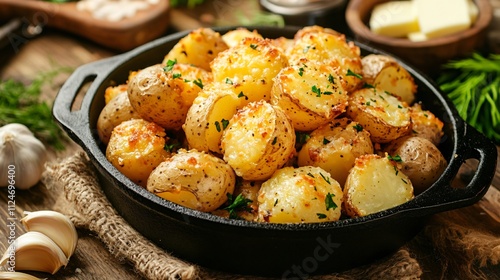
350,73
172,147
301,71
253,46
310,175
358,127
326,141
306,49
276,202
395,158
237,204
330,204
302,137
404,181
176,75
198,83
241,94
274,140
229,81
326,179
318,92
331,79
224,123
321,215
170,65
366,85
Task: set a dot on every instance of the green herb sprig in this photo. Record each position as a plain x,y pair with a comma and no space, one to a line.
20,103
473,85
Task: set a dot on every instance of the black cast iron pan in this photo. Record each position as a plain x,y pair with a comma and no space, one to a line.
284,250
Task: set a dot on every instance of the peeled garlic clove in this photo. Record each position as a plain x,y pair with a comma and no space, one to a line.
11,275
35,251
56,226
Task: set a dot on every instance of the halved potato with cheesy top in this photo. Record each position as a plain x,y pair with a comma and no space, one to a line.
375,184
310,93
300,195
383,115
136,148
258,141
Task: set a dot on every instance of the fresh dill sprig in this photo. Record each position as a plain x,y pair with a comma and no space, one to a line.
20,103
473,85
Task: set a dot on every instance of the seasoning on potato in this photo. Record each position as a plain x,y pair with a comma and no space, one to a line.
297,195
258,141
136,147
375,184
335,146
193,179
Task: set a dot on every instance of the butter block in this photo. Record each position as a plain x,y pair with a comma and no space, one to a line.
443,17
394,19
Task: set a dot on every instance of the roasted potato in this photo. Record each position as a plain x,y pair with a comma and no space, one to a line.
383,115
300,195
258,140
198,48
419,159
209,115
235,37
250,68
113,91
193,179
115,112
335,146
242,204
136,147
425,124
164,95
311,94
387,74
330,49
375,184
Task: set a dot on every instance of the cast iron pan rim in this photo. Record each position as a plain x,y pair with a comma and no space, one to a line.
158,204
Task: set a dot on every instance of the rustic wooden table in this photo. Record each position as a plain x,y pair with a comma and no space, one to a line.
55,49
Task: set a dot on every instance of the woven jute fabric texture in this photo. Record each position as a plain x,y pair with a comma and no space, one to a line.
89,209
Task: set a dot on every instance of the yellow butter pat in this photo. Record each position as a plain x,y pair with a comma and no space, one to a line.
394,19
443,17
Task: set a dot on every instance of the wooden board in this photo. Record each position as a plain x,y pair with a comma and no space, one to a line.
121,35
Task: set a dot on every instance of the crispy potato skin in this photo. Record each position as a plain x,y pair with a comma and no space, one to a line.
421,160
115,112
383,115
258,141
165,97
206,118
375,184
300,195
250,68
330,49
136,147
198,48
236,36
193,179
425,124
311,94
384,72
334,147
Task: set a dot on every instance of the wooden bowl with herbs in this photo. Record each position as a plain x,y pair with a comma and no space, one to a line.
426,54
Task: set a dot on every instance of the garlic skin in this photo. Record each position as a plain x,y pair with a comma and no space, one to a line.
55,225
37,252
23,153
11,275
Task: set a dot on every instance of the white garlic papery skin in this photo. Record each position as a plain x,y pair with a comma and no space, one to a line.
22,157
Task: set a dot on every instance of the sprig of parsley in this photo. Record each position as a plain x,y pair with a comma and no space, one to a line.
473,85
239,203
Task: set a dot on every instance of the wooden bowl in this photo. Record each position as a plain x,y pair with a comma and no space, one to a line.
427,56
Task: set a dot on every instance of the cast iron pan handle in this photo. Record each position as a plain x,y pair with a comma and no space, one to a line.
77,124
444,197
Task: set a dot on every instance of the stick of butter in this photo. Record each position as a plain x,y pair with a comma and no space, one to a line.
443,17
394,18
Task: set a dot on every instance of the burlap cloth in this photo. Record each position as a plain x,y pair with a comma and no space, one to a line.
453,244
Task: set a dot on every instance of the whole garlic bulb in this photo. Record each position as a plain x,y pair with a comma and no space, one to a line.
22,156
